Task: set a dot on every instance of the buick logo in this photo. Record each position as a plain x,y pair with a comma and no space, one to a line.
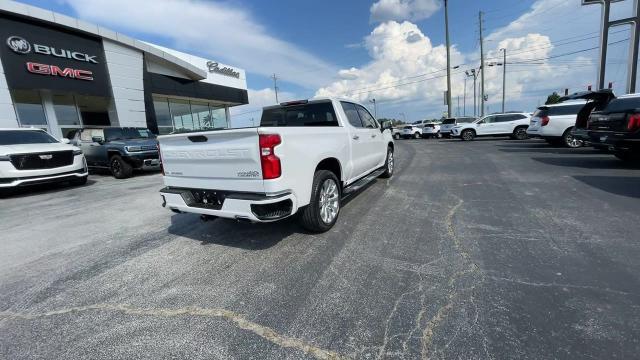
19,45
46,157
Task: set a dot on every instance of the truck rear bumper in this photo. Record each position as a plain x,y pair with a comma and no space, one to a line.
255,207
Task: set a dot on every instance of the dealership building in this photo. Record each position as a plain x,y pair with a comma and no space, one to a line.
60,73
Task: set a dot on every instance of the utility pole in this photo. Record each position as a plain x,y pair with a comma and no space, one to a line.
446,26
458,107
504,75
275,86
481,65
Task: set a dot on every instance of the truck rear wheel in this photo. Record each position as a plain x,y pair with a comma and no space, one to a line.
322,212
120,168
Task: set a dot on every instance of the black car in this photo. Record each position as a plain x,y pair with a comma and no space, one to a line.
119,149
617,127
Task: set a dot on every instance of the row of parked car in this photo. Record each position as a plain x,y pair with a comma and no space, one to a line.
30,156
592,118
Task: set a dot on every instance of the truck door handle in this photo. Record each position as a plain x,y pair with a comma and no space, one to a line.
356,137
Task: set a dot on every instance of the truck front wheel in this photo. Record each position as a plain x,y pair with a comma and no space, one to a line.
120,168
322,212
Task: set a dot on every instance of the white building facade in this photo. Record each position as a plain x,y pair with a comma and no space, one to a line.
60,74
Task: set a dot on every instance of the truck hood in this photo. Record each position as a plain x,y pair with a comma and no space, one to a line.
34,148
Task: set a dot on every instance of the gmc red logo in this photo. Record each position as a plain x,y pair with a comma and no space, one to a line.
44,69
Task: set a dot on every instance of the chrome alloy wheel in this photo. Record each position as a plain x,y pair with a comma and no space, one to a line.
572,142
329,201
390,162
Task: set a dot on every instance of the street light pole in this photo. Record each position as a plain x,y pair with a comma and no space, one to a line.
473,73
375,108
464,98
446,26
481,65
504,75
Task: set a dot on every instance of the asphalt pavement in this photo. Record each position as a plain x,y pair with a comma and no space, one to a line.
488,249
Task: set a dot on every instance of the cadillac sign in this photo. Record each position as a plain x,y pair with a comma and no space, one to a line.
214,67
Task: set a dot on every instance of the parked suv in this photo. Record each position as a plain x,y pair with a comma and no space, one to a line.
508,124
430,131
31,156
555,123
411,131
448,124
617,127
119,149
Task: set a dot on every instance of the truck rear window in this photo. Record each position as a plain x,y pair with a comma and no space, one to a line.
312,114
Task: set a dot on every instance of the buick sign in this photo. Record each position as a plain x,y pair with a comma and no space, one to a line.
21,46
18,45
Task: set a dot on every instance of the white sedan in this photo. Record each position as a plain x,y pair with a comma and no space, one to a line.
31,156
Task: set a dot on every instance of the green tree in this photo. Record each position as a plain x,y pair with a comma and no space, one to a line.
553,99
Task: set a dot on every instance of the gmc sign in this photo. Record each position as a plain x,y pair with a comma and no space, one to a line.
53,70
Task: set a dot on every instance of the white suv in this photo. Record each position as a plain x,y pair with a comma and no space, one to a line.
555,123
513,125
31,156
412,131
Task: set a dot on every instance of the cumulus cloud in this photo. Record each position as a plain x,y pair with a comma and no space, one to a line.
217,30
385,10
406,71
405,65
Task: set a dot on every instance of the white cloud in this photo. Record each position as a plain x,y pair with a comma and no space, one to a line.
385,10
400,52
214,29
401,55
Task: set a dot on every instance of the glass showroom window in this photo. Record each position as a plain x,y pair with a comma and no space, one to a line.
28,105
181,114
219,117
94,110
163,115
64,105
201,115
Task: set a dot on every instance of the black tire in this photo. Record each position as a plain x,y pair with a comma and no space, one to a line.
467,135
569,141
79,181
520,133
388,170
310,217
120,168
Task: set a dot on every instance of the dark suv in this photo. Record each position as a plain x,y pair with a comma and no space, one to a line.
617,126
119,149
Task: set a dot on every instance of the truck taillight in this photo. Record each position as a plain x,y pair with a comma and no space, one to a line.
268,159
544,121
634,122
160,157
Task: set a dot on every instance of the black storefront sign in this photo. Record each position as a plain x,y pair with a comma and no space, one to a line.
39,56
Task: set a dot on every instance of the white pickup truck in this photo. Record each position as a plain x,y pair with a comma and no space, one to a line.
303,158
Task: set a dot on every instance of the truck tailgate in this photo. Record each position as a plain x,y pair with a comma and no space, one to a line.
219,160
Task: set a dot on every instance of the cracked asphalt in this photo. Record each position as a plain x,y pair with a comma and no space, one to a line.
490,249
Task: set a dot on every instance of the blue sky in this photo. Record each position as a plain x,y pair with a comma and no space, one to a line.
390,50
